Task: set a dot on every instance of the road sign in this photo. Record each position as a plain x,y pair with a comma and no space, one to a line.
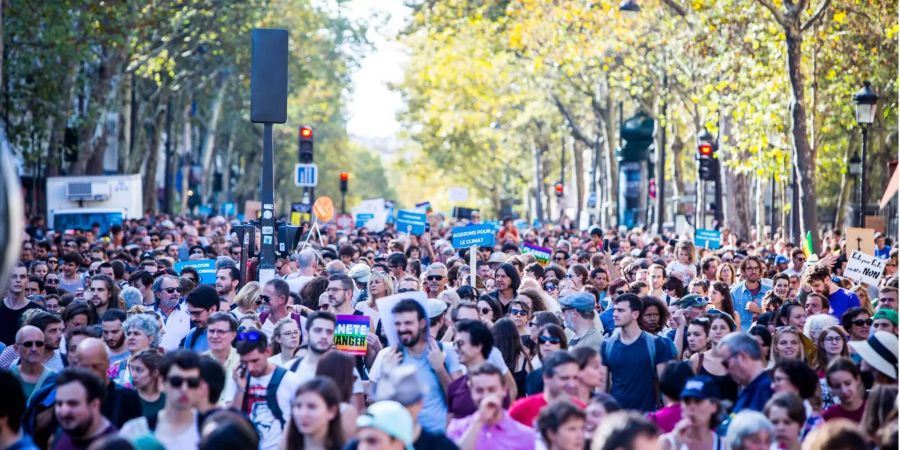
306,175
411,222
344,221
708,238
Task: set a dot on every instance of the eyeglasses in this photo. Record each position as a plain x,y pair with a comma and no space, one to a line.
727,360
550,339
291,333
862,322
518,312
330,290
252,336
402,290
265,298
216,332
176,382
51,281
833,339
434,277
172,290
29,344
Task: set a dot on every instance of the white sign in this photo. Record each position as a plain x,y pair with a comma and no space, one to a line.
386,304
864,268
306,175
375,208
458,194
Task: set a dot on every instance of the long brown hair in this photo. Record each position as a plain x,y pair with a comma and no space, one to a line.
328,391
338,367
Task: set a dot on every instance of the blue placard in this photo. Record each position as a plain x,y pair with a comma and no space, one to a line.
708,238
478,235
362,218
228,209
206,268
411,222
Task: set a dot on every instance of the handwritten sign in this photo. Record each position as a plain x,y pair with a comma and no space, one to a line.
541,254
864,268
477,235
205,267
350,334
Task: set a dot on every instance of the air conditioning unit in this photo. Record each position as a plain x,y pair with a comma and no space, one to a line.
96,191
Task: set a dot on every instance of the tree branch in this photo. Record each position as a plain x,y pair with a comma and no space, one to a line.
576,130
817,15
676,7
779,16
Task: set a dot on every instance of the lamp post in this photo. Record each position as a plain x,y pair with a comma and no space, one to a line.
854,166
629,6
866,101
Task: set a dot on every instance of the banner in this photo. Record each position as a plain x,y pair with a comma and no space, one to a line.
864,268
350,334
206,268
541,254
411,222
478,235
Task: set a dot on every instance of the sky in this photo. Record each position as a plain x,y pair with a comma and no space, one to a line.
373,106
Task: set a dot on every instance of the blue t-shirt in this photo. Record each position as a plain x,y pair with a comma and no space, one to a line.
841,300
609,324
433,416
632,371
755,395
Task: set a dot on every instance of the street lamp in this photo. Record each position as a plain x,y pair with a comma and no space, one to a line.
855,165
866,101
629,6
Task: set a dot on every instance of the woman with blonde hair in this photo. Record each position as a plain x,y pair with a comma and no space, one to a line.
247,299
725,274
786,344
286,340
865,302
380,285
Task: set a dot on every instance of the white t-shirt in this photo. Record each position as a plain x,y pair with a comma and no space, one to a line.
267,425
306,370
188,437
297,282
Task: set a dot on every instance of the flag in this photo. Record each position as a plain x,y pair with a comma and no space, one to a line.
808,245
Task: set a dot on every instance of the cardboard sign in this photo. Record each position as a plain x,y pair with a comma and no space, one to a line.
477,235
861,239
206,268
707,238
541,254
350,334
864,268
411,222
386,304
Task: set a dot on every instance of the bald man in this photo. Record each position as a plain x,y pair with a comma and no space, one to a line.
30,370
119,404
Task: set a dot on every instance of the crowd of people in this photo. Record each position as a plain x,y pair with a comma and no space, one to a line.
621,340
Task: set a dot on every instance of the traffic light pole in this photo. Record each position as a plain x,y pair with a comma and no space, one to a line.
267,221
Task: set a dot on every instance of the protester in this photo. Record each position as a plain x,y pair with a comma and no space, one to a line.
315,420
561,425
741,357
79,393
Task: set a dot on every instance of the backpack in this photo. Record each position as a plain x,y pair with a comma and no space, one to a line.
649,339
272,394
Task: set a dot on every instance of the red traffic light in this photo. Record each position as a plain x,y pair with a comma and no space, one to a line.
559,189
705,149
345,176
306,132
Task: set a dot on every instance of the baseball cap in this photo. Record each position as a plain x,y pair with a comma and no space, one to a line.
497,258
781,259
580,301
401,385
701,387
391,418
879,351
692,301
361,273
434,307
885,313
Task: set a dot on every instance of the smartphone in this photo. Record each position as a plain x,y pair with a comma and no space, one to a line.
605,244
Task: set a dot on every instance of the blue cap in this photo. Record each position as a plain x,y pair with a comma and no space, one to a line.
581,301
692,301
781,259
700,387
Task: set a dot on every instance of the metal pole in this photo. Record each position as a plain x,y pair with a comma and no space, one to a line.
343,203
267,220
661,158
772,210
862,179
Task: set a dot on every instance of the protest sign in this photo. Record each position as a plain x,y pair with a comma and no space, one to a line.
411,222
861,239
350,334
205,267
541,254
458,194
376,213
344,221
363,219
386,304
863,268
252,209
708,238
477,235
323,209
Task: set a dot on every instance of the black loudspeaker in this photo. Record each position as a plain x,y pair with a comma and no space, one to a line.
269,76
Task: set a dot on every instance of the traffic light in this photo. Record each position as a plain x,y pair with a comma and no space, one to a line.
560,190
306,144
345,177
708,167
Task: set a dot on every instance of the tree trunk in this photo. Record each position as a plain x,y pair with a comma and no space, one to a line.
538,181
103,93
156,127
186,151
578,167
209,146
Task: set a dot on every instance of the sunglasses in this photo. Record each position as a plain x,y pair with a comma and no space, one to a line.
434,277
323,307
51,281
486,310
550,339
620,292
518,312
265,298
550,287
559,258
52,261
400,291
172,290
252,336
29,344
862,322
176,382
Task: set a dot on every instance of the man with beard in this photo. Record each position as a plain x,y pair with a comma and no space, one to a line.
227,281
435,279
79,394
818,278
320,331
750,291
118,404
14,304
201,302
114,335
434,366
103,295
